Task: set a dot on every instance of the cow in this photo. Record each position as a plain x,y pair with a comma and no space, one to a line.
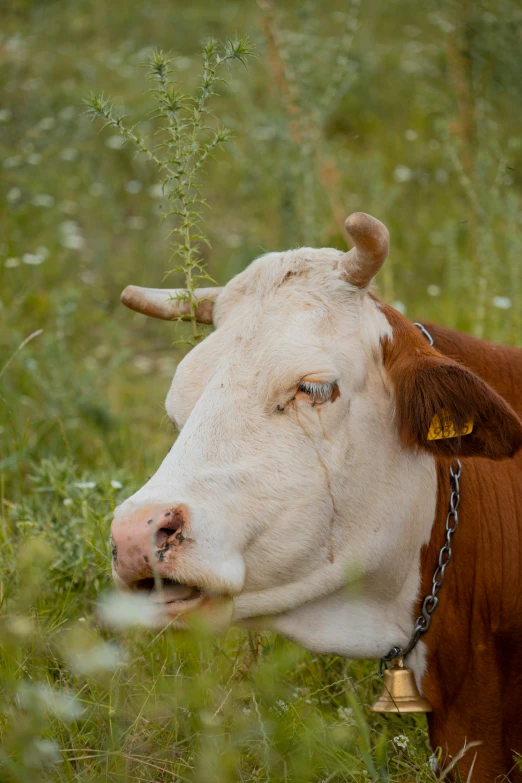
305,495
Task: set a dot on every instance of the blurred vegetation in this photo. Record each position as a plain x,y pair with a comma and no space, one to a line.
410,111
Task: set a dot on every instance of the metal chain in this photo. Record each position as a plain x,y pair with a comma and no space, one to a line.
423,621
425,332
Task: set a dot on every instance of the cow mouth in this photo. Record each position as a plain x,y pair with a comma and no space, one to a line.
173,595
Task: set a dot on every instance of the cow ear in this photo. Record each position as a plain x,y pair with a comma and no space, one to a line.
445,409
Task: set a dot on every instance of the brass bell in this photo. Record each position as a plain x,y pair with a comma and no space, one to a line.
400,692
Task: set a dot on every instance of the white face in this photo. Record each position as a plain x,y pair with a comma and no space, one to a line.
286,468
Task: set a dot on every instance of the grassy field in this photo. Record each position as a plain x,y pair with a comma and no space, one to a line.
409,111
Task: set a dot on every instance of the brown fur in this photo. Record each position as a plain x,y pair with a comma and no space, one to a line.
474,645
425,382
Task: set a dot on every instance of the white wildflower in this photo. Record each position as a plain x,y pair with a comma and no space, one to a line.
68,501
502,302
20,626
34,158
69,154
42,753
32,259
401,741
69,227
411,135
143,363
128,610
280,707
433,290
103,656
43,200
85,484
12,262
156,191
133,186
116,484
400,306
48,700
12,162
73,242
182,63
67,113
13,194
47,123
35,259
71,235
402,173
115,142
15,44
440,21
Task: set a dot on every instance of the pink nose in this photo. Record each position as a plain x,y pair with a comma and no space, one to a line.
146,542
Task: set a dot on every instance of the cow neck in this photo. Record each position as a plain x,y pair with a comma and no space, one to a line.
431,600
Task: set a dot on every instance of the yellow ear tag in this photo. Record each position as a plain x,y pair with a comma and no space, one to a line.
442,426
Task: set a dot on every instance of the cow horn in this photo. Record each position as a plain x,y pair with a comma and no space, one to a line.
372,241
166,303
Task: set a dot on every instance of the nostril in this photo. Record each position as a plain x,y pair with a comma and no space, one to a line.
163,535
171,522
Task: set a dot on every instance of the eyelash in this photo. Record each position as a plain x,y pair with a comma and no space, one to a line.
319,392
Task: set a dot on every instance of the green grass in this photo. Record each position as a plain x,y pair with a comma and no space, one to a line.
408,111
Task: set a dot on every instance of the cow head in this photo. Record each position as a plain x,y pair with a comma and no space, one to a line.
302,462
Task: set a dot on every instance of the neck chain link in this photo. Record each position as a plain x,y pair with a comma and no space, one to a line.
423,621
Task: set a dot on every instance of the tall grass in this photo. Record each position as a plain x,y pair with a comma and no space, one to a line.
411,114
83,702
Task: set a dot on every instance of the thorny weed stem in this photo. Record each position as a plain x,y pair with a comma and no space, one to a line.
188,138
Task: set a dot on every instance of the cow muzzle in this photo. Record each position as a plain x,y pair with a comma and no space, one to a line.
146,548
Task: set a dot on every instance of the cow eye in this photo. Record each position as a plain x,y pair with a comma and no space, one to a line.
317,392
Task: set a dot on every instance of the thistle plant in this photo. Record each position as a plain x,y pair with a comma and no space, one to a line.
188,136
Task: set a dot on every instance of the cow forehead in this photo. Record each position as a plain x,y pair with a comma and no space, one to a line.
295,279
287,315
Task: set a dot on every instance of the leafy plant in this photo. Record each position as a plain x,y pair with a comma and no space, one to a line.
188,138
